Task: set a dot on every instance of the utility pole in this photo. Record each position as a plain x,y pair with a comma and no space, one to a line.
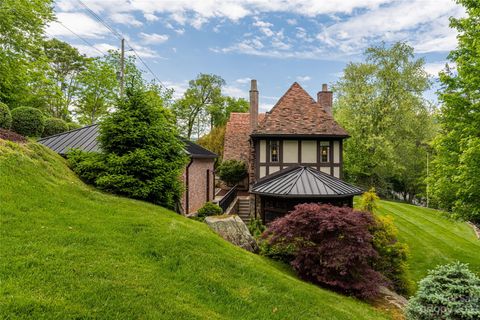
122,67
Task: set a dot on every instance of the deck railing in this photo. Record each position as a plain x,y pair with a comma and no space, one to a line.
228,198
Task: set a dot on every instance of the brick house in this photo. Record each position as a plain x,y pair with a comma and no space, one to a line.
294,152
198,176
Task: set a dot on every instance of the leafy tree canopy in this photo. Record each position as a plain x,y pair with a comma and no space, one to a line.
456,166
380,103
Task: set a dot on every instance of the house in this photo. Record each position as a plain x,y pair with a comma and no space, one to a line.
198,176
294,152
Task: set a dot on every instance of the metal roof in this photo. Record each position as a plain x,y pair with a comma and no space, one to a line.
86,139
303,182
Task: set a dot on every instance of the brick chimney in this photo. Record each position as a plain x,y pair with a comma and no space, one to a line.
253,105
325,99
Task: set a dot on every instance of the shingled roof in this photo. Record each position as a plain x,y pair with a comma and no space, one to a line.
86,139
297,113
237,136
303,182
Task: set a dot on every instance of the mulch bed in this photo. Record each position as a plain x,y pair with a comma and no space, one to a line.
11,136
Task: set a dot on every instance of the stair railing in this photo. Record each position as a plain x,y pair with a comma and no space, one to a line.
228,198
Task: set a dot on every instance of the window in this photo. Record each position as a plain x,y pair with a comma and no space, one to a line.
274,151
324,151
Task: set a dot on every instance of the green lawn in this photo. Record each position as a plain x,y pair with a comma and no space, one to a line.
70,252
432,238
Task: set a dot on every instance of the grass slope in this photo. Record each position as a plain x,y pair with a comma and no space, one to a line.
432,238
68,251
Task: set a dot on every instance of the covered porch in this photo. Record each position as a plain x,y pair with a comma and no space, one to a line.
277,194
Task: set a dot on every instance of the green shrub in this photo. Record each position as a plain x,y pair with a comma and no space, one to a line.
280,252
5,116
369,201
144,154
73,126
448,292
89,166
256,227
28,121
54,126
232,171
392,255
209,209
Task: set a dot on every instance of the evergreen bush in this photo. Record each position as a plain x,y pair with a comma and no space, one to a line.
232,171
209,209
28,121
448,292
54,126
5,116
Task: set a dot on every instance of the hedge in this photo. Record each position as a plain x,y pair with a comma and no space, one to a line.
28,121
5,116
54,126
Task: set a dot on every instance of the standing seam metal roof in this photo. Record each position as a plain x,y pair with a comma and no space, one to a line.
300,181
86,139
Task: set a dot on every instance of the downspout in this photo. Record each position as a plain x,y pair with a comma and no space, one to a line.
187,178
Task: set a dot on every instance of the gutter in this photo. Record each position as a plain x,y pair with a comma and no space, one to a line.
187,178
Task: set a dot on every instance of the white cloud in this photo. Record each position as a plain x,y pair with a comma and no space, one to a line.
125,18
265,107
91,52
150,17
304,78
233,91
243,80
292,22
423,23
153,38
262,24
433,68
79,23
178,87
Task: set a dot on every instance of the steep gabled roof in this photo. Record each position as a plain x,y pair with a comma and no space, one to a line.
303,182
296,113
237,136
86,139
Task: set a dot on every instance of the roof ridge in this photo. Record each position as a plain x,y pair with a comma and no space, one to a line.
65,132
299,174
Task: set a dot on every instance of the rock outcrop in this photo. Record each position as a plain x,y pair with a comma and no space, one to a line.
234,230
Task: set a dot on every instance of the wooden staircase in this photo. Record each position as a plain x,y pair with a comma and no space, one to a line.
244,209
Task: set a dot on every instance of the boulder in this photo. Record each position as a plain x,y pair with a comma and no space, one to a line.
234,230
393,298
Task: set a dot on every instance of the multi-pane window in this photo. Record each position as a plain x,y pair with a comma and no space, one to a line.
274,151
324,151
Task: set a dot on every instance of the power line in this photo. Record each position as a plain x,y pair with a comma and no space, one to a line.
146,66
120,37
102,21
81,38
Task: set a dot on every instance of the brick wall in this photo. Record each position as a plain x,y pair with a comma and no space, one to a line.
197,183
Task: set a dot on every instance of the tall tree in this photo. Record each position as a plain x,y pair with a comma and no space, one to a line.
380,103
97,92
22,25
202,99
66,64
456,168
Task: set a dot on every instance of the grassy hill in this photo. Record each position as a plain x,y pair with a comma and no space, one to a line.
68,251
432,238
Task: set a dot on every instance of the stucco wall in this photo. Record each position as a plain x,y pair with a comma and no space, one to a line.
197,184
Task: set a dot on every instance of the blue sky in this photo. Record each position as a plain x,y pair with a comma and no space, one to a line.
276,42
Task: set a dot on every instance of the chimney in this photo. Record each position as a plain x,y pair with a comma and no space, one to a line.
325,99
253,105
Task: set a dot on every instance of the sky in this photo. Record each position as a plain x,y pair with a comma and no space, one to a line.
276,42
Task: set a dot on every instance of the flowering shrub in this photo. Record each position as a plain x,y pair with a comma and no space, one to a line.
332,246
